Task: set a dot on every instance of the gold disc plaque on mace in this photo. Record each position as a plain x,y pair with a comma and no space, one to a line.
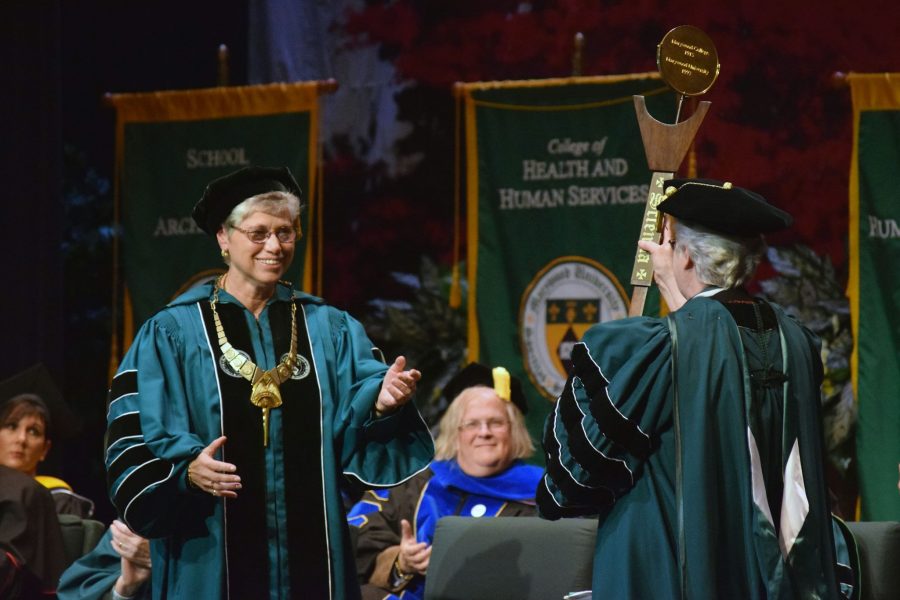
687,60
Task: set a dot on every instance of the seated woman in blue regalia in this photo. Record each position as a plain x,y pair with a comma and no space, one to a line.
478,471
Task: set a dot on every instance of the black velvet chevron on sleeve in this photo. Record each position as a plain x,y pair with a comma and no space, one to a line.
613,424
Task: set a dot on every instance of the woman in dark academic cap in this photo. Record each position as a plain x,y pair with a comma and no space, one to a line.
29,422
28,426
697,437
239,408
478,471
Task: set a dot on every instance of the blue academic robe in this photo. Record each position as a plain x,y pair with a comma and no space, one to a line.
442,490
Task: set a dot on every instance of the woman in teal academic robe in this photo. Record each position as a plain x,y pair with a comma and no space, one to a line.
242,405
697,437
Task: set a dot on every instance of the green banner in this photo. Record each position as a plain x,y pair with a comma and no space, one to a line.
167,166
171,145
557,181
874,290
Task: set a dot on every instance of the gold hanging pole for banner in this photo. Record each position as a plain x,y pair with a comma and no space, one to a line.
116,341
318,290
224,74
327,86
455,300
268,97
578,55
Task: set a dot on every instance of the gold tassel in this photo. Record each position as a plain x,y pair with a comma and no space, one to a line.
501,383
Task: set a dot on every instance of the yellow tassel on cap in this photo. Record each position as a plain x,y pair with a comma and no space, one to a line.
53,483
501,383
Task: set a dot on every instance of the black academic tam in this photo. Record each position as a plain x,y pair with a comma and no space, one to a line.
722,207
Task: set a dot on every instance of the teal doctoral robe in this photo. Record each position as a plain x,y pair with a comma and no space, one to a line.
661,431
285,536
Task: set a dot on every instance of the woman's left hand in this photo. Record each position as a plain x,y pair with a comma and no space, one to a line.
130,545
135,562
397,388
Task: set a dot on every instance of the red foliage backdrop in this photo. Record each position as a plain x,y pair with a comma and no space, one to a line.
779,124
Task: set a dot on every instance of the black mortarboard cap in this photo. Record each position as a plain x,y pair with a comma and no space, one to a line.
38,381
722,207
479,374
224,193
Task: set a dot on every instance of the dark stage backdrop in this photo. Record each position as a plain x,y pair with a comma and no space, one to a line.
777,124
30,122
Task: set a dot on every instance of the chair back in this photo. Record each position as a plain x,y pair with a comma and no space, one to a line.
79,535
879,549
510,558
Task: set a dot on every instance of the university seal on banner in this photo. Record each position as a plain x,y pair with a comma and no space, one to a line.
563,300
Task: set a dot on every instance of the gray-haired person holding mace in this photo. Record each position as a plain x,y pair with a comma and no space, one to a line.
697,437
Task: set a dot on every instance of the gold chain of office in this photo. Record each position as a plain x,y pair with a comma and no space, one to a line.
265,393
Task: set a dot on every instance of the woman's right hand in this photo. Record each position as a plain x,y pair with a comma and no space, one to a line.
214,476
414,556
662,257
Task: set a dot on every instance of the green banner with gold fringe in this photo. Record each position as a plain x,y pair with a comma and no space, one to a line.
169,146
874,289
556,182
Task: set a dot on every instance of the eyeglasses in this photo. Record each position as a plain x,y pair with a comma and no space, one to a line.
491,424
285,235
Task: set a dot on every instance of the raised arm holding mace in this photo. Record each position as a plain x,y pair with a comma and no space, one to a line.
688,63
